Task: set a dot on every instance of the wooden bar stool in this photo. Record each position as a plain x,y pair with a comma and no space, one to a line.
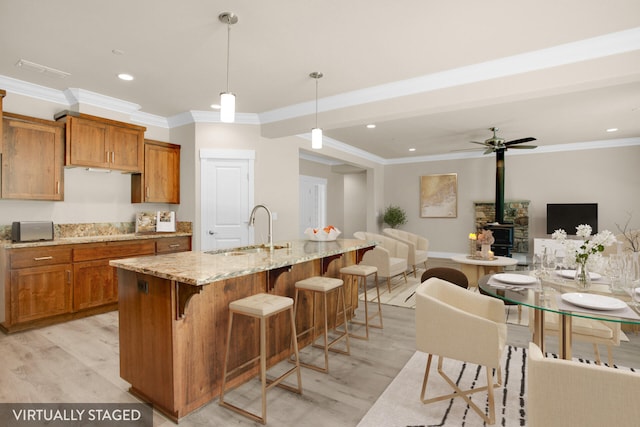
261,306
323,286
359,274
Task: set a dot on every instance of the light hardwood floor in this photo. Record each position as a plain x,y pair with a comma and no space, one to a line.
77,362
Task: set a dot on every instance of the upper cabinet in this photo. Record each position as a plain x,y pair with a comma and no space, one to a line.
160,182
102,143
2,95
32,158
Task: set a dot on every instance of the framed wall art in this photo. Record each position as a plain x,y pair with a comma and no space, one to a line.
439,196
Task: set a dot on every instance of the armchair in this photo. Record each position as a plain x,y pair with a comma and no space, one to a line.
462,325
568,393
418,246
389,255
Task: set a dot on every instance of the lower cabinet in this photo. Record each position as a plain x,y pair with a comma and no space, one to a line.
52,284
40,292
94,284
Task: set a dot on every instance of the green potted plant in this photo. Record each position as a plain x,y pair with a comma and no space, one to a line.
395,216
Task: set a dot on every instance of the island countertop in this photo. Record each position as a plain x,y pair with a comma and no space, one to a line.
201,268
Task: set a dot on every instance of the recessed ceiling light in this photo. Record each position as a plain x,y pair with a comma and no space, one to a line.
371,126
412,149
125,76
216,106
612,130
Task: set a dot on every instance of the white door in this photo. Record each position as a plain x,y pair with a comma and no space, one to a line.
313,202
226,199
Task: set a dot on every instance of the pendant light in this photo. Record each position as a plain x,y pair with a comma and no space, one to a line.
228,99
316,132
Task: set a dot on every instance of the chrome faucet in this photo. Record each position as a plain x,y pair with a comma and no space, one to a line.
252,220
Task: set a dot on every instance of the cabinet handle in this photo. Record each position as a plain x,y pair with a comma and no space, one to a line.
42,258
146,191
57,187
106,157
113,157
68,276
175,245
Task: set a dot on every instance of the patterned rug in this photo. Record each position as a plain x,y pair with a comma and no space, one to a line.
400,405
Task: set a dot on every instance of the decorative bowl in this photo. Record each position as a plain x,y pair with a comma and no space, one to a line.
325,234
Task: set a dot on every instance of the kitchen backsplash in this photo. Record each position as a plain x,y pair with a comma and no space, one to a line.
93,229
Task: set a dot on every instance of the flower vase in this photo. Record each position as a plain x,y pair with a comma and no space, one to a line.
583,278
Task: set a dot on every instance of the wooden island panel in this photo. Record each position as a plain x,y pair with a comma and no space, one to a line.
175,362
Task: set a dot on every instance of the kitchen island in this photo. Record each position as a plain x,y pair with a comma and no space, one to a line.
173,314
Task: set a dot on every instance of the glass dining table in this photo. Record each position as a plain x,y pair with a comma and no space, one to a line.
556,294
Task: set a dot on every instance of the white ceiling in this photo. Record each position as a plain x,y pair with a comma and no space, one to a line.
431,74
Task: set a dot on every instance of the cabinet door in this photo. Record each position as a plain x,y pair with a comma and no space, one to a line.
40,292
32,160
87,143
94,284
126,147
160,182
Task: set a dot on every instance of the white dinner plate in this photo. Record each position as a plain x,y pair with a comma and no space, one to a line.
597,302
515,279
571,274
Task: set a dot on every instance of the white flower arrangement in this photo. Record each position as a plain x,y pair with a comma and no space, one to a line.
589,245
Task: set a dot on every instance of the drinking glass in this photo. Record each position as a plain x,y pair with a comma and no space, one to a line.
613,270
548,262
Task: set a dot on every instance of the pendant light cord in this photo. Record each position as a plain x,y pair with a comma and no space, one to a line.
317,101
228,49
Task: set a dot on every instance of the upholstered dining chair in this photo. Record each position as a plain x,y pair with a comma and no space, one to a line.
569,393
452,322
584,330
452,275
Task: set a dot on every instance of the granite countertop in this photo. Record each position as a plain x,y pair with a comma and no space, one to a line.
201,268
8,244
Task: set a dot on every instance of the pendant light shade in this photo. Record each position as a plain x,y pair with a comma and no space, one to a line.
316,138
228,99
227,107
316,132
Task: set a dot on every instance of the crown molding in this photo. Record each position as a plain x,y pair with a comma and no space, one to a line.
31,90
81,96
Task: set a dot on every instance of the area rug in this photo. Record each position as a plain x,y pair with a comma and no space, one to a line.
400,405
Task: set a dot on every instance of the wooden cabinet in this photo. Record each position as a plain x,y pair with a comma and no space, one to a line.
173,244
40,284
95,282
51,284
101,143
32,158
160,182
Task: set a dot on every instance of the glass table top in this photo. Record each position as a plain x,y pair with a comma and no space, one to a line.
597,303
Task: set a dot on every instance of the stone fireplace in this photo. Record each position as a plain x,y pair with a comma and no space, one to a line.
516,212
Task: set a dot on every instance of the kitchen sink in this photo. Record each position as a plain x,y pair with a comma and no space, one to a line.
246,250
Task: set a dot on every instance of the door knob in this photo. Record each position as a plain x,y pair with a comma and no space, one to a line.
212,232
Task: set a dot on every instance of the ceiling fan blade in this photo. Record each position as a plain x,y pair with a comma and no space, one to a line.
524,147
476,142
519,141
488,151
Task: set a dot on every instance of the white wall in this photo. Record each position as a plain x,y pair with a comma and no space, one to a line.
608,177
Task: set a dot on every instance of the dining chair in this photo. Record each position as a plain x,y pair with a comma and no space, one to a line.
452,322
569,393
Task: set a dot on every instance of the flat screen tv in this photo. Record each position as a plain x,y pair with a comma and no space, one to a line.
569,215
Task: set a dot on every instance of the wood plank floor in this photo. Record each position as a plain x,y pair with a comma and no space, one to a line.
77,362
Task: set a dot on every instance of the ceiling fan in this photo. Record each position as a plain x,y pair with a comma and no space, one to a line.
495,143
499,146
